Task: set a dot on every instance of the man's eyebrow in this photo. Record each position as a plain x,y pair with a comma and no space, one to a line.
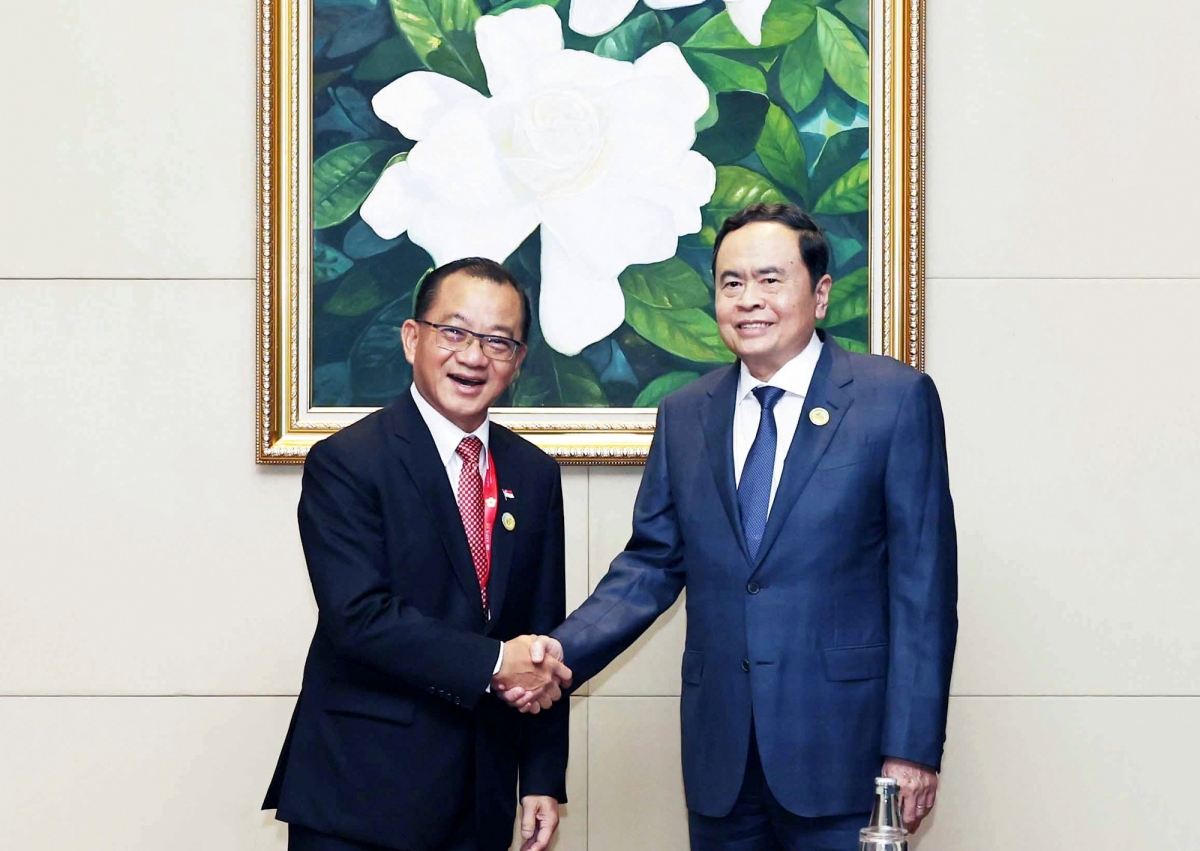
496,329
768,270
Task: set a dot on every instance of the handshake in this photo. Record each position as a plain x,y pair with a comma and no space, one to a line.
532,675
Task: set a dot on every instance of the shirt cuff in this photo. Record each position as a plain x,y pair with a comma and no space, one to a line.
499,665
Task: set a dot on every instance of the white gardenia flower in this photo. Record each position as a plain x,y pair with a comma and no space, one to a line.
596,17
596,151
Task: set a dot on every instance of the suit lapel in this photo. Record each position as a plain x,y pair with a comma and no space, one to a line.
718,434
827,391
420,457
508,477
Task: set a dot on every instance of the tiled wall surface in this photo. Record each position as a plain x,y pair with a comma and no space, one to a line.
154,608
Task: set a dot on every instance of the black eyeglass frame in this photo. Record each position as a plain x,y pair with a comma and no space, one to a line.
517,345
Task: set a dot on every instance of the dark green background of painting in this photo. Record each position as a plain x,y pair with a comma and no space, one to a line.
778,128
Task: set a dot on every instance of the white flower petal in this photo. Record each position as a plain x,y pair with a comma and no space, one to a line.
688,189
450,231
666,61
747,16
458,160
575,310
415,103
512,43
390,206
596,17
672,4
606,230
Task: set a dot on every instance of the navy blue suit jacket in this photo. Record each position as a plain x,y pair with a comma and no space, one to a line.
838,639
394,737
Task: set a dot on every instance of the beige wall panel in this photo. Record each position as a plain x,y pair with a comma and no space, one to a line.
139,774
130,141
1061,138
575,512
572,830
1072,420
144,550
1044,774
635,783
651,665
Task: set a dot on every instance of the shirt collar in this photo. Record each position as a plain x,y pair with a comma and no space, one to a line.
793,377
446,435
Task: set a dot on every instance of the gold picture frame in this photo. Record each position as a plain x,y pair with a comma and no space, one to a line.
287,425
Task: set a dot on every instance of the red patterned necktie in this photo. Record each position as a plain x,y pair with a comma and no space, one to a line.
470,506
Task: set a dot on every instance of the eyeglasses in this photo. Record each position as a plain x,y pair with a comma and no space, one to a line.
451,338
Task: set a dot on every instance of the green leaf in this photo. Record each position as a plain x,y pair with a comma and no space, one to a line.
710,116
429,24
328,263
388,60
550,379
521,4
802,71
654,392
781,153
671,283
722,74
845,58
852,345
739,123
737,187
632,38
686,28
857,12
785,21
839,153
850,193
459,58
341,180
848,300
358,293
688,332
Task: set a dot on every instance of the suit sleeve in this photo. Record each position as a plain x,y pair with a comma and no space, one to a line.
922,580
341,529
544,737
642,582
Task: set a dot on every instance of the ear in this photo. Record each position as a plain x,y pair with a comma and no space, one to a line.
409,332
822,293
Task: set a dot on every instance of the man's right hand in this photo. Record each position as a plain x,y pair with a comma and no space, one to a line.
530,678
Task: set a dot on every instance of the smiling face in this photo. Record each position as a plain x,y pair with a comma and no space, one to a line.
461,386
766,305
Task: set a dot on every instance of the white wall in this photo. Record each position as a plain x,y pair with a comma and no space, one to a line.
154,609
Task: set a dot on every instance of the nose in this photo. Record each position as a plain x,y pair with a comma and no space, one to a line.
750,297
473,354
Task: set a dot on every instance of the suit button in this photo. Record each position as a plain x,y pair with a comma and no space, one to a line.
746,665
753,587
457,701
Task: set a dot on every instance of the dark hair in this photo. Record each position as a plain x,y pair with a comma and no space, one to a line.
476,267
814,249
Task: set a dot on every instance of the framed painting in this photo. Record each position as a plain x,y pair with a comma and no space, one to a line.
592,146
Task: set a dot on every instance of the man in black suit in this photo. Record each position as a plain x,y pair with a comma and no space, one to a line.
434,542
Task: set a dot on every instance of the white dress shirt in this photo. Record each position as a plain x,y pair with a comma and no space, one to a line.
793,378
446,437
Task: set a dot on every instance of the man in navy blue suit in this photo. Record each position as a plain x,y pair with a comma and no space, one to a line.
434,542
802,497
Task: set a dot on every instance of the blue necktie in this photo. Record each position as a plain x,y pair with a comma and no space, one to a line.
754,488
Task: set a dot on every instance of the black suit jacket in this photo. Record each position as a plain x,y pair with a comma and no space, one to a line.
394,737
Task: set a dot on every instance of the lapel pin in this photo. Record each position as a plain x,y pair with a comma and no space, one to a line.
818,416
509,521
508,494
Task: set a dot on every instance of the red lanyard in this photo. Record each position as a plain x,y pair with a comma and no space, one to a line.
490,497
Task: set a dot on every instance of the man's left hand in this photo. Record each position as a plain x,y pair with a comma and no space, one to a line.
918,789
539,820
